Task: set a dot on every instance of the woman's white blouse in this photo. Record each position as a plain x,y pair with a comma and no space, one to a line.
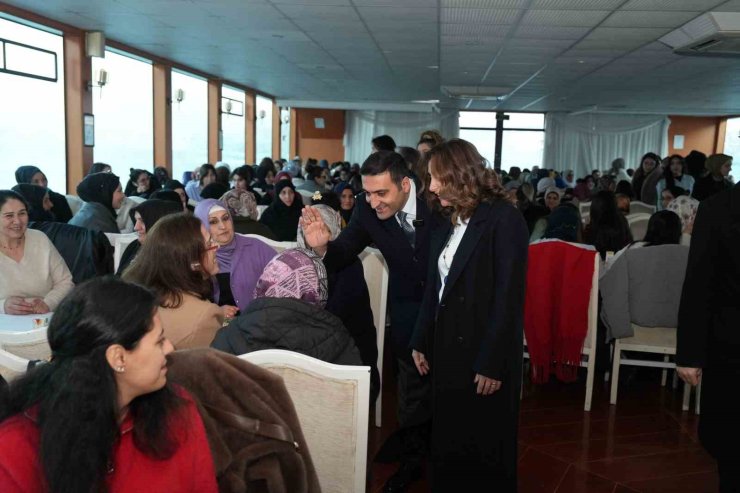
448,253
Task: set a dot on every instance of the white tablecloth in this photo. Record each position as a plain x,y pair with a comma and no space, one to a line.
22,323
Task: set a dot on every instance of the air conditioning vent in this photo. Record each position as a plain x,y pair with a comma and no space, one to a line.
477,93
711,34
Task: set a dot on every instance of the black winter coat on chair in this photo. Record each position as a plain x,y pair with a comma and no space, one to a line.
87,253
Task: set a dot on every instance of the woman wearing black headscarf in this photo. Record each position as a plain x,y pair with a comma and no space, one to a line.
34,176
141,183
38,200
144,216
283,214
102,195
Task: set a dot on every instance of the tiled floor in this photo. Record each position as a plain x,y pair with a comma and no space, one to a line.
644,444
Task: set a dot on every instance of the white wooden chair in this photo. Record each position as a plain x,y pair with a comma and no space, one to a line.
29,345
120,242
260,210
638,207
11,366
584,208
638,225
588,353
332,404
279,246
656,340
376,277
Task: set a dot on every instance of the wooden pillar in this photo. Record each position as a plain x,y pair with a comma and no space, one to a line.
77,102
275,130
215,142
719,141
250,128
293,133
162,84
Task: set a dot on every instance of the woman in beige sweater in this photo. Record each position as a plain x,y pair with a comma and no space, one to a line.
33,276
178,261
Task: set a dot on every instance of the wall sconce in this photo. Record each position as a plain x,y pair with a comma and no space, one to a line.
262,114
102,80
180,95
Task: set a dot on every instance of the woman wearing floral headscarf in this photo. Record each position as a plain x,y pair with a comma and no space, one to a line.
685,207
288,313
242,206
349,299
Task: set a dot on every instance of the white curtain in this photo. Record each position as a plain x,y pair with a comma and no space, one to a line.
593,140
404,127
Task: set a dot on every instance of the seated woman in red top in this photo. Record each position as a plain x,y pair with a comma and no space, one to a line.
100,416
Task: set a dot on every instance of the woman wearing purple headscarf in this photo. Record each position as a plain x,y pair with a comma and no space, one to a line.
288,313
240,259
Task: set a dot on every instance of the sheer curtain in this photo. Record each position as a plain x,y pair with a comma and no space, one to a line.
404,127
591,141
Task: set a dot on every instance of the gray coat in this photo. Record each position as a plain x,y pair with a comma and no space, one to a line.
643,287
95,217
286,323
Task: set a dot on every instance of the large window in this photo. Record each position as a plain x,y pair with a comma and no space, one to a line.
189,122
263,128
232,126
32,127
123,109
732,146
523,141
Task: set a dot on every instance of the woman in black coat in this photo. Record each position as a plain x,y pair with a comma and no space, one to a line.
283,214
708,346
468,336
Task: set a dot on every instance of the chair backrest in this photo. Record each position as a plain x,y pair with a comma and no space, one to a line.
260,210
11,366
638,207
376,277
332,403
593,308
638,225
120,242
74,203
584,208
29,345
279,246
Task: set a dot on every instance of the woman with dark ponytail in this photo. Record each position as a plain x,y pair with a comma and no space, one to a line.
100,416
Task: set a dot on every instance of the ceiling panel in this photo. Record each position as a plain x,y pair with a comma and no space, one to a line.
479,16
564,18
636,18
551,32
577,4
658,5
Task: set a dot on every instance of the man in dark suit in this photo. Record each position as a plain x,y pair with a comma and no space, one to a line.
708,347
389,215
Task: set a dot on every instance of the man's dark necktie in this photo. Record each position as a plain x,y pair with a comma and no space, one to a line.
408,230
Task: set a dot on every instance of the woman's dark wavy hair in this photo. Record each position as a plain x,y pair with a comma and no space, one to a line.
670,181
76,392
664,228
166,260
465,179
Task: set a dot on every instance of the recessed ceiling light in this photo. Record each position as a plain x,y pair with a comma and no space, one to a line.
433,66
278,36
387,51
581,61
425,101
